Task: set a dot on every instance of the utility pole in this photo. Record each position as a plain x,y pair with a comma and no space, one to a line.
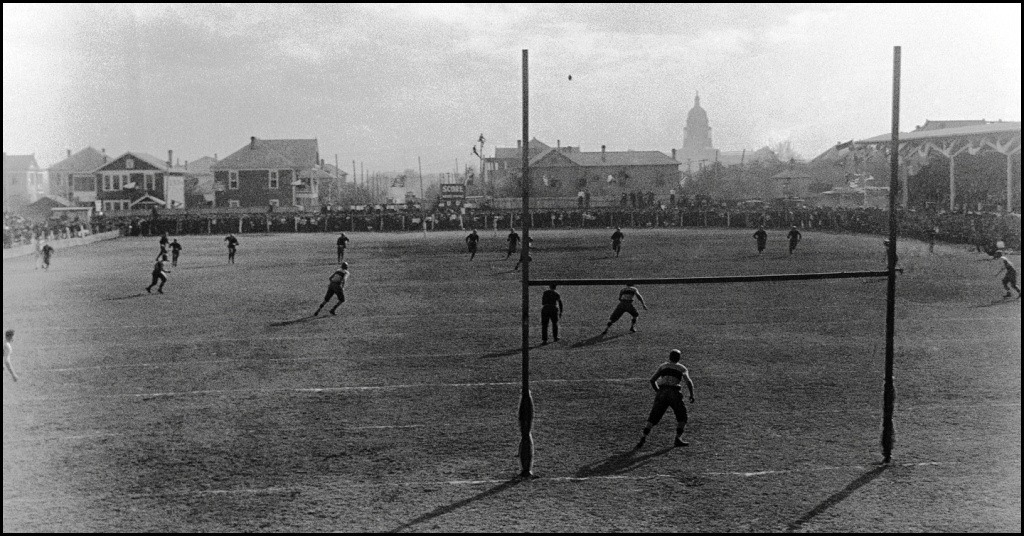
423,201
526,400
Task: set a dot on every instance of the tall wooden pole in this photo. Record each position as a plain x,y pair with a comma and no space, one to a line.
526,402
1009,182
889,397
423,200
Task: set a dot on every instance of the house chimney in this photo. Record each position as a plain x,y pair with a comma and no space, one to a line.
170,158
673,154
215,157
252,143
602,153
104,152
559,145
519,144
69,153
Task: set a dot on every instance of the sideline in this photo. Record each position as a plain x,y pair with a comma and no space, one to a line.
63,243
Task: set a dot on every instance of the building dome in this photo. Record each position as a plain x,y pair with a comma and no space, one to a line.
697,118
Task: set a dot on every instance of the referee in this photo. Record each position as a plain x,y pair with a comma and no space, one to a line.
667,383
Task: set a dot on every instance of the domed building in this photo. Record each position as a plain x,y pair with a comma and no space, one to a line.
697,150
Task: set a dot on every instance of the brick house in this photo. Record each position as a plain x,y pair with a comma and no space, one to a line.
270,173
73,178
567,171
24,182
136,180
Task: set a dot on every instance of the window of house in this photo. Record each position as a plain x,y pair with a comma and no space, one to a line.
106,182
275,203
274,182
234,203
150,181
129,163
232,180
118,204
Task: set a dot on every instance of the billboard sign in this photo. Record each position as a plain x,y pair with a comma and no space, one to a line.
453,191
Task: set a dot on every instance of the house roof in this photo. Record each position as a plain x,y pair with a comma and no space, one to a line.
610,158
1005,127
536,147
19,162
51,201
791,174
145,157
930,124
83,161
270,154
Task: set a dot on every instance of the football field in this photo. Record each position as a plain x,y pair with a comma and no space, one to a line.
224,405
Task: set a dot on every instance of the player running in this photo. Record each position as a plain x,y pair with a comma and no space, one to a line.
8,351
1010,279
794,237
529,257
617,237
175,252
471,242
667,382
342,244
47,253
513,243
335,287
232,247
626,297
762,239
159,276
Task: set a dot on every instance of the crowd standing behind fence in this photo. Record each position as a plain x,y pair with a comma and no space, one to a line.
980,229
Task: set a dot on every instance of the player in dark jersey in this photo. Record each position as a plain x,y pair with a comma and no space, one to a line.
626,297
617,237
471,242
550,312
794,237
667,383
159,276
530,257
342,244
162,256
762,239
335,287
232,247
47,253
164,241
175,252
1010,279
513,243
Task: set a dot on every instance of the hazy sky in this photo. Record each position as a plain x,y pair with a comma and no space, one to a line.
384,84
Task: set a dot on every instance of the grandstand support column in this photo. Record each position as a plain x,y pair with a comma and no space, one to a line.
526,401
889,395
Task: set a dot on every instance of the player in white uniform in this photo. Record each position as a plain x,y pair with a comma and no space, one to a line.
8,339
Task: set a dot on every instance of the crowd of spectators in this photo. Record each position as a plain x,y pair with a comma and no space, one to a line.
979,229
19,231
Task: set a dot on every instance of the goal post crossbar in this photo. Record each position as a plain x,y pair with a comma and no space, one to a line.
702,280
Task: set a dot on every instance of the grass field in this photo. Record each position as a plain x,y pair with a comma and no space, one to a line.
222,405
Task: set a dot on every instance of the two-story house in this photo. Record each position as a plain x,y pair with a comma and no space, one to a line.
73,178
270,173
136,180
23,183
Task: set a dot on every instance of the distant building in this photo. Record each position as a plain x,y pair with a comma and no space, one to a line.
24,182
137,180
73,178
697,150
764,155
567,171
271,173
790,184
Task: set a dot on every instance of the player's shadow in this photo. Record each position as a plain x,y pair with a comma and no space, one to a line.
509,352
837,498
1000,301
445,510
302,320
133,296
597,339
620,463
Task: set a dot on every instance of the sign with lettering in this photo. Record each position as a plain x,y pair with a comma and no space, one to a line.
453,191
